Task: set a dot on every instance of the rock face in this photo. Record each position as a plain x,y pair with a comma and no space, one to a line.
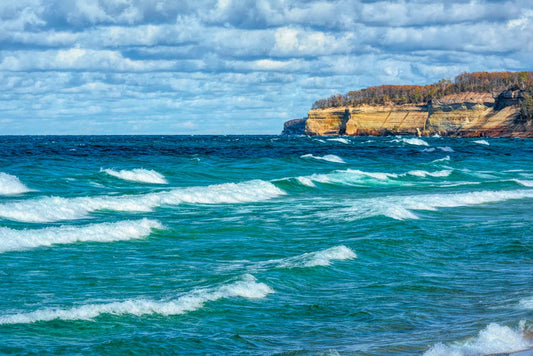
465,114
294,127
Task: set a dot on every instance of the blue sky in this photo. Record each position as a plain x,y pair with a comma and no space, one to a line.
233,67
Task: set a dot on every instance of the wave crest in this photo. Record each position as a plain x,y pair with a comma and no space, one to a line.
247,287
318,258
51,209
328,158
11,185
17,240
494,339
137,175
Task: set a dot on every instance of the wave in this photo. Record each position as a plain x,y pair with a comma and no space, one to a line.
247,287
422,174
51,209
17,240
346,177
482,142
11,185
339,139
444,159
446,149
400,207
138,175
413,141
525,183
318,258
328,158
494,339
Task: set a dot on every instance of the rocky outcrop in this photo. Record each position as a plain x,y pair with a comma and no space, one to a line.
294,127
466,114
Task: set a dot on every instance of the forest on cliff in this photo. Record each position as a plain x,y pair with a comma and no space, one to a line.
479,82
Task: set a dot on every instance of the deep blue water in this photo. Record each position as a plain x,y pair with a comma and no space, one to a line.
265,245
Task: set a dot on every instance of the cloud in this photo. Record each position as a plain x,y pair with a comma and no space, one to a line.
213,66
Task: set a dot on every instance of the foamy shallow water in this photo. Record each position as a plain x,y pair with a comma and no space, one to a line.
265,245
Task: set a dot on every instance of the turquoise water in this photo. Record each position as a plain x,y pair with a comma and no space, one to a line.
265,245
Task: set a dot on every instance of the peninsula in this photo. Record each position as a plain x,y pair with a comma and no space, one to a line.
480,104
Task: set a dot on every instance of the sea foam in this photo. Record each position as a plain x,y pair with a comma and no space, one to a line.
16,240
318,258
328,158
494,339
401,207
11,185
247,287
482,142
339,139
413,141
347,177
49,209
422,174
138,175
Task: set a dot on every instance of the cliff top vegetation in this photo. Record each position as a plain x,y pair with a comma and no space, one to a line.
481,82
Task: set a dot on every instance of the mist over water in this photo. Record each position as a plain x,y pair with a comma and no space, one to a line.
265,245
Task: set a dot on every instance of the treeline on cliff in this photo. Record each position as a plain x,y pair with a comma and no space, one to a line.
481,82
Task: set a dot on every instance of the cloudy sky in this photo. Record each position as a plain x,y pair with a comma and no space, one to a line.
233,66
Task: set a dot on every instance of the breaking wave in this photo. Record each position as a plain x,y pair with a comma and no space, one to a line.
318,258
412,141
51,209
17,240
328,158
482,142
525,183
401,207
339,139
494,339
422,174
11,185
247,287
138,175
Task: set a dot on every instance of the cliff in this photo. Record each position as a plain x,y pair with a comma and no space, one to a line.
466,114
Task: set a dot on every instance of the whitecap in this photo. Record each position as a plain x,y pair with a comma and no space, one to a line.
482,142
339,139
413,141
318,258
347,177
422,174
137,175
17,240
401,207
444,159
247,287
328,158
494,339
525,183
446,149
11,185
49,209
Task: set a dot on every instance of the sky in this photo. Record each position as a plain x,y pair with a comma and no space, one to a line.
233,66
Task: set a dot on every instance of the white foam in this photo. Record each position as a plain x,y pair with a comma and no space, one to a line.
400,207
444,159
339,139
525,183
422,174
526,303
482,142
138,175
11,185
348,177
415,141
17,240
446,149
50,209
493,339
248,288
318,258
328,158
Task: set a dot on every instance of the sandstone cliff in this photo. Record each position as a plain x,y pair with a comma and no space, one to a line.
466,114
